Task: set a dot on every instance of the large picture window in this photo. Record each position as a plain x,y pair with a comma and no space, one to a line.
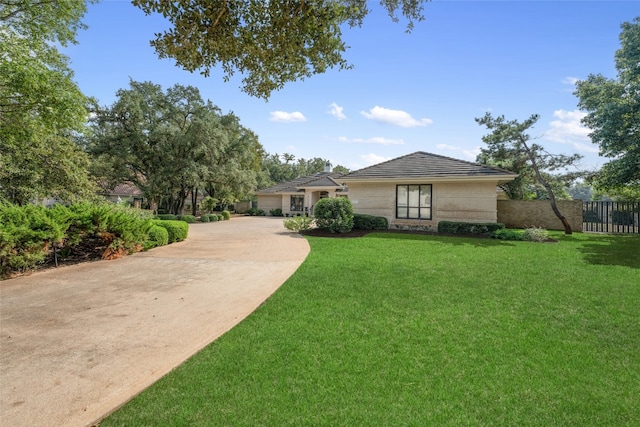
297,203
413,201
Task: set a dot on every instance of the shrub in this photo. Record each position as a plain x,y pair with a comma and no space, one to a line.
298,223
220,217
158,236
535,234
213,218
369,222
226,214
166,216
590,216
205,218
507,234
334,214
178,230
255,212
189,219
622,217
455,227
276,212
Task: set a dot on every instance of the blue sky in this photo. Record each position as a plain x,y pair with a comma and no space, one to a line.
407,92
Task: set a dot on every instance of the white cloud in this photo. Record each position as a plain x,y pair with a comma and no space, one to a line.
337,111
464,152
568,130
283,116
372,159
394,117
570,80
375,140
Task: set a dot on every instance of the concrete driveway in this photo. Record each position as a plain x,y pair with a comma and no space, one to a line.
77,342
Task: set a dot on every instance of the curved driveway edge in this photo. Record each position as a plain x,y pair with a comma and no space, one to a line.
77,342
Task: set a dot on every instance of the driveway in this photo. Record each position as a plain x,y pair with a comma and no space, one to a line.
77,342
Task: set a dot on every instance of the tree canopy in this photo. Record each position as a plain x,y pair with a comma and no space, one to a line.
41,108
277,168
613,114
270,43
509,146
172,145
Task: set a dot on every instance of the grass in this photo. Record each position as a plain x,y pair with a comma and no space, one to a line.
393,329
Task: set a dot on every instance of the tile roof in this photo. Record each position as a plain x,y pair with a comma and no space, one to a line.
322,179
421,164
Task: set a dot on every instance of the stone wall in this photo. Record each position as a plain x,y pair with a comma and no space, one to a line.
527,213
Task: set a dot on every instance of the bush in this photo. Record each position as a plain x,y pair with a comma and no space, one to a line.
369,222
535,234
455,227
178,230
622,217
166,216
213,218
298,223
276,212
334,214
189,219
158,236
507,234
205,218
590,216
226,214
255,212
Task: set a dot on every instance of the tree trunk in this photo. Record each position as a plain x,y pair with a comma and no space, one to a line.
545,184
194,200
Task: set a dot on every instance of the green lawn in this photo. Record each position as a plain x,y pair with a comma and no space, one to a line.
393,329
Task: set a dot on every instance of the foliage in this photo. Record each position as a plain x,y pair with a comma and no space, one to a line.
456,227
535,234
276,212
509,141
205,218
298,223
189,219
209,203
255,212
158,236
278,168
507,234
622,217
226,215
613,114
392,329
28,233
167,216
177,230
334,214
213,218
369,222
268,43
173,145
41,108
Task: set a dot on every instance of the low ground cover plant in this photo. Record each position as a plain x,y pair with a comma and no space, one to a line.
33,235
369,222
455,227
299,223
437,331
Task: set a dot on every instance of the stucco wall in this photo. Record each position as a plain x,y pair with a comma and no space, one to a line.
527,213
473,202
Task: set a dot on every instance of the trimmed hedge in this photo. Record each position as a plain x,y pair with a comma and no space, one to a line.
158,236
226,215
455,227
205,218
166,216
369,222
178,230
189,219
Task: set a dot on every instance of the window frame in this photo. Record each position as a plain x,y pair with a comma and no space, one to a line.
410,206
294,205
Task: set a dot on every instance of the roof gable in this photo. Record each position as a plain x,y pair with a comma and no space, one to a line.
422,164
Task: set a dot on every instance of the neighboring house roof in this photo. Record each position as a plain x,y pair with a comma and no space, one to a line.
319,180
126,189
421,165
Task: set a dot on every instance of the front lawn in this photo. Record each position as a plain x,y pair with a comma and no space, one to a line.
393,329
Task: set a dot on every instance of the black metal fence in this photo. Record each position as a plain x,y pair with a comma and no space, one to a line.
611,217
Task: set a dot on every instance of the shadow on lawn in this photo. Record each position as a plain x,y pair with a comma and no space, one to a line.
479,241
610,250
